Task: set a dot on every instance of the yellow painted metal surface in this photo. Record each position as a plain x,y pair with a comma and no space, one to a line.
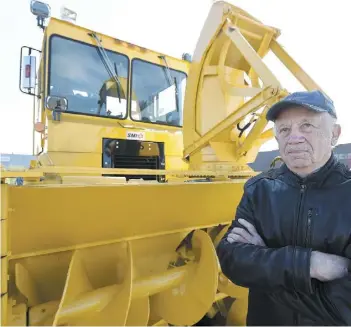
73,216
87,151
92,175
3,226
81,248
225,286
237,313
5,313
78,236
42,314
18,315
4,275
294,67
187,303
63,139
229,86
4,289
171,294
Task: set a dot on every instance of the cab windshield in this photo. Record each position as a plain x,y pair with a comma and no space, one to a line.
157,93
78,74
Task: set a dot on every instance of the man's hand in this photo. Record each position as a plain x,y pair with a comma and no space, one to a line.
241,235
327,267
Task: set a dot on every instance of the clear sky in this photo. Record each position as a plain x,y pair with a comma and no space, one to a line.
314,32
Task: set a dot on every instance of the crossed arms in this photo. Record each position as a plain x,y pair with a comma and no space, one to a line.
314,283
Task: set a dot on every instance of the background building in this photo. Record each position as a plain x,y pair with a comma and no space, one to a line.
15,160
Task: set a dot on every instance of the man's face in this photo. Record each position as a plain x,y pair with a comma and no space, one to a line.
305,138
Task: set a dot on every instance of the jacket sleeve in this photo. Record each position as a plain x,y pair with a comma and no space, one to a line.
260,267
330,303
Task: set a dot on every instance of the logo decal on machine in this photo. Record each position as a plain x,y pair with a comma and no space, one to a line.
135,136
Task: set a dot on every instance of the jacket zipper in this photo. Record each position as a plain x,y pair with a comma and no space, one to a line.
308,229
302,192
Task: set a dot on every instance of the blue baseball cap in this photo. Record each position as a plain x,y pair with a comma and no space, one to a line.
312,100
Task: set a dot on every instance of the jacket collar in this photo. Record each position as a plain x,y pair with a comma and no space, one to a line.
316,178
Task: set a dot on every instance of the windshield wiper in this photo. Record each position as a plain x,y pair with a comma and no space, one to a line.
108,65
170,82
118,82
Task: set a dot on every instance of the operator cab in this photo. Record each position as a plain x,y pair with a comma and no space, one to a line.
127,98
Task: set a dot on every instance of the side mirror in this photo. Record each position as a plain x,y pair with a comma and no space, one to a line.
56,103
28,71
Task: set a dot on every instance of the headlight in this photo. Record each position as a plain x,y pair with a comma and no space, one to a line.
40,9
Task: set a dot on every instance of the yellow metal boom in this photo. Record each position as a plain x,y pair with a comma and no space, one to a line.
229,87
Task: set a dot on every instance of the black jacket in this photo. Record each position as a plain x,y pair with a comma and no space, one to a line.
293,216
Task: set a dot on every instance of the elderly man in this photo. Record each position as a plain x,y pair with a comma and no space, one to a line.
290,240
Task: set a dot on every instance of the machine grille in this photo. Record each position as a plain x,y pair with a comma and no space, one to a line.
136,162
134,154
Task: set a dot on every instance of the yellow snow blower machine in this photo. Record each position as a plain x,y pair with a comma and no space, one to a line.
140,163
